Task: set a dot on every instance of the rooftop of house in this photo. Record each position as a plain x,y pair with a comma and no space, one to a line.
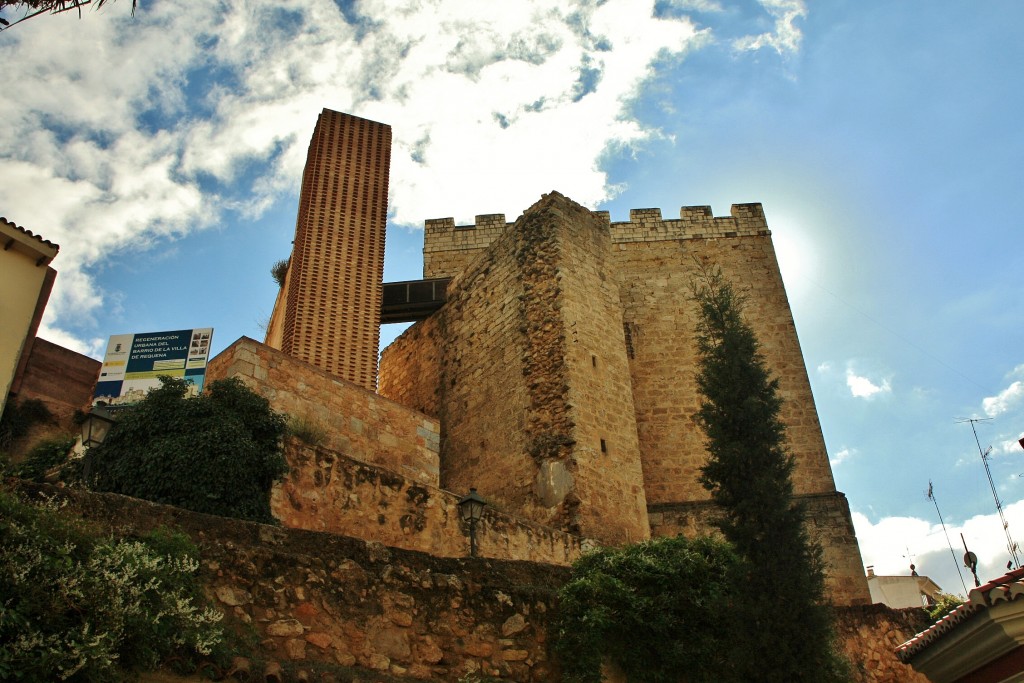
13,234
1006,588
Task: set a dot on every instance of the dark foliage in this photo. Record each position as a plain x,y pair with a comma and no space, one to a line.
662,610
19,417
34,8
217,453
43,457
279,271
787,630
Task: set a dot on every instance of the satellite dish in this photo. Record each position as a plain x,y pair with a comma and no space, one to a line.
970,560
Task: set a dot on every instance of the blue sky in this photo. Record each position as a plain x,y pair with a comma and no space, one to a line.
164,153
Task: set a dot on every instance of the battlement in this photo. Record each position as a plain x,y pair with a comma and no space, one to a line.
695,222
448,248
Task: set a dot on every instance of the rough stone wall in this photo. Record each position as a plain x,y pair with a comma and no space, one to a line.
319,598
483,396
325,491
315,597
828,522
604,458
532,378
656,262
358,423
869,637
410,368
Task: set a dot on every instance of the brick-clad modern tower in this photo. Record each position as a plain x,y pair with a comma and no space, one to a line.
332,295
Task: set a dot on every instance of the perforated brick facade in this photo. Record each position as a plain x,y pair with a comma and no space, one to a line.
329,309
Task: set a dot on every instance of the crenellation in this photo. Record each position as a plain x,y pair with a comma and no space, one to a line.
645,216
699,214
491,220
694,223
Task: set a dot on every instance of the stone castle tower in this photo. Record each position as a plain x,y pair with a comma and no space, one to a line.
328,311
562,369
555,354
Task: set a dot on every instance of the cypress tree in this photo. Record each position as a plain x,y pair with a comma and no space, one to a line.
784,621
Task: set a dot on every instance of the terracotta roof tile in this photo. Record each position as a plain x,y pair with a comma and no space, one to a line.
29,233
1008,587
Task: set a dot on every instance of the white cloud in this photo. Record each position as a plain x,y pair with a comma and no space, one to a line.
862,387
843,455
786,36
1010,446
885,544
697,5
1005,400
824,368
132,132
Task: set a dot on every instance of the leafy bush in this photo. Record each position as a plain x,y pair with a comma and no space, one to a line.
18,418
43,457
656,609
78,606
944,605
217,453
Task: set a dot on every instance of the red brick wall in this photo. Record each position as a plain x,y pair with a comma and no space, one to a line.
63,379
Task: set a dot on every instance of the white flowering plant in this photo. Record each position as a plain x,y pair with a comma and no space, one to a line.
77,605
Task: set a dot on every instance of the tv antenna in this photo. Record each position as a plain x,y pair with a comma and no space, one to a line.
932,498
1010,545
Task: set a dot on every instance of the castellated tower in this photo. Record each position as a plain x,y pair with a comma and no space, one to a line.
563,369
328,311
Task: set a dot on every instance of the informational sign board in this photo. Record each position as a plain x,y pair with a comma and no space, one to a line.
134,362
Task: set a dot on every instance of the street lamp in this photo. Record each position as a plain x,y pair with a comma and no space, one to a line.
96,425
471,509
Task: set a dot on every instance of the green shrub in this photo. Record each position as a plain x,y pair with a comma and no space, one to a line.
658,610
43,457
78,606
944,605
217,453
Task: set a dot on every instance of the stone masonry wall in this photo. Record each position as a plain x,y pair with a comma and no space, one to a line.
315,597
869,637
325,491
532,378
410,368
448,249
657,262
358,423
392,615
828,522
604,458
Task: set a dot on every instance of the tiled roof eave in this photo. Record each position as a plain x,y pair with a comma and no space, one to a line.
24,241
